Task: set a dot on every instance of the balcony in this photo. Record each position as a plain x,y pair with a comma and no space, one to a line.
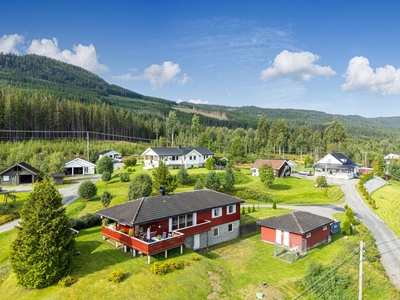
196,229
143,246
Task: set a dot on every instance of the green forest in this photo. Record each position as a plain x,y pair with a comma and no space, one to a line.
42,98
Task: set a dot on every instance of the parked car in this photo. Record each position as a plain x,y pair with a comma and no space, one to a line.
305,172
119,159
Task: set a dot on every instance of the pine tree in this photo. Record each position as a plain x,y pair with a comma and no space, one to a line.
163,177
229,177
140,186
43,251
105,164
182,176
267,175
212,181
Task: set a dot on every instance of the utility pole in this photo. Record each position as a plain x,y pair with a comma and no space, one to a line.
87,145
360,274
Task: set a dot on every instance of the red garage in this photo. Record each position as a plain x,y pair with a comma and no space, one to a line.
301,230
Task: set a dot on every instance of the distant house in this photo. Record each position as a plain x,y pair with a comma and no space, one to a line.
196,219
110,153
280,166
20,173
336,165
390,157
79,166
175,157
300,230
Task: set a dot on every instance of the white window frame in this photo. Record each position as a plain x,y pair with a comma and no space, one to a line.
230,225
234,209
325,228
6,178
216,231
214,215
308,234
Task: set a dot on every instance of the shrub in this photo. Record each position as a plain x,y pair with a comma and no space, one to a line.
105,164
253,209
249,209
243,210
105,222
345,226
106,198
116,275
124,177
86,221
129,169
87,190
274,205
130,161
198,185
321,181
159,269
106,176
194,257
67,281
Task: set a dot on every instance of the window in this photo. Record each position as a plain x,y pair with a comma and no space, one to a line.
216,231
324,228
6,178
190,157
231,209
182,221
17,168
189,219
308,235
230,227
217,212
174,223
194,157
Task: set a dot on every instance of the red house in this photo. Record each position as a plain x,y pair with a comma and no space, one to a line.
300,230
151,225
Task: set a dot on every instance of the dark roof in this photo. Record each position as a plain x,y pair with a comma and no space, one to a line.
104,152
299,222
149,209
166,151
24,166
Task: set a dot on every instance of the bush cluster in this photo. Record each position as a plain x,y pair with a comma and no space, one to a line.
169,266
106,176
86,221
124,177
67,281
130,161
116,275
251,194
87,189
321,181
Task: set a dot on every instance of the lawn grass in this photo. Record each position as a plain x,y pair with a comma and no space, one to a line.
388,205
261,214
231,270
12,212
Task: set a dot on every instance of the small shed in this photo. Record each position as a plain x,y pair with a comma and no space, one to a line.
20,173
58,178
280,167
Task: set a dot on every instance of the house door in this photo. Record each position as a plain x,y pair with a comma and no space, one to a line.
196,241
13,179
278,239
286,238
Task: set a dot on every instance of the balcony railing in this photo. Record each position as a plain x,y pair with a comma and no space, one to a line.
196,229
147,248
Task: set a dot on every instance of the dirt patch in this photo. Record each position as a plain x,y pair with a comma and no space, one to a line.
219,115
216,284
270,293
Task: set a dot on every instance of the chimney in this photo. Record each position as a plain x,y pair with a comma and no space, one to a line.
162,191
179,147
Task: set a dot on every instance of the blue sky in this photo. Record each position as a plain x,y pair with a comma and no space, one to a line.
331,56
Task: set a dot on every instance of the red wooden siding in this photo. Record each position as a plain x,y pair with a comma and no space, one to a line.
268,234
318,235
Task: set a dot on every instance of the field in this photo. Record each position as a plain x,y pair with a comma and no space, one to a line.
388,205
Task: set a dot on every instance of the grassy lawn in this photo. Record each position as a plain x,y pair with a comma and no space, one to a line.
388,205
231,270
12,211
261,214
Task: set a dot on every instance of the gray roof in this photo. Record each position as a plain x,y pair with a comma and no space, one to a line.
346,163
167,151
299,222
25,166
150,209
104,152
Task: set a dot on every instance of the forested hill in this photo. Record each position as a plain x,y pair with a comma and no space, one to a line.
33,73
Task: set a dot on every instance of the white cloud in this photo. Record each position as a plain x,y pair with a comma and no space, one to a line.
10,43
360,76
82,56
158,75
300,65
198,101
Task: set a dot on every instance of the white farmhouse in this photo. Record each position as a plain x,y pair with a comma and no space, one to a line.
175,157
336,165
110,153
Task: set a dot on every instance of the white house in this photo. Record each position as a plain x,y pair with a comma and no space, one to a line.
79,166
110,153
391,156
336,165
175,157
